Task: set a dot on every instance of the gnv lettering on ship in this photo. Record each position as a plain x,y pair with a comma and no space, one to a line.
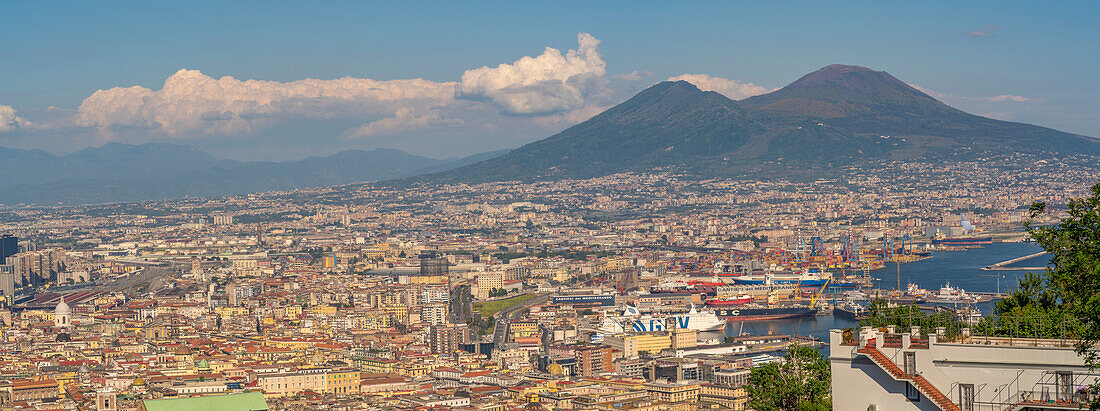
654,325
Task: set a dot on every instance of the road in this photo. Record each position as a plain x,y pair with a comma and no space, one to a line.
503,317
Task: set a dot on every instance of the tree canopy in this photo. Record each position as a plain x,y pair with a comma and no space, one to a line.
1072,284
800,382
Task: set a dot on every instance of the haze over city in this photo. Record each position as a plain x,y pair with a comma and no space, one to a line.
501,206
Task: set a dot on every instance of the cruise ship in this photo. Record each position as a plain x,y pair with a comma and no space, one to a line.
699,321
632,320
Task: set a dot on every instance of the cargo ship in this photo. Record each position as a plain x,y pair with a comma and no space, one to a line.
757,313
961,241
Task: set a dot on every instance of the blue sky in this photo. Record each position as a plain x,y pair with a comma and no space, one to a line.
1040,59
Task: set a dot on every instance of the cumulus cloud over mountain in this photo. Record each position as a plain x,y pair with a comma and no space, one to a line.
729,88
547,83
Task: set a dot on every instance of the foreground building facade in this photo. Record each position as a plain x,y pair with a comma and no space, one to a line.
893,369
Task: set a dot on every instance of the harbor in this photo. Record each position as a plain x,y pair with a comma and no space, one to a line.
959,280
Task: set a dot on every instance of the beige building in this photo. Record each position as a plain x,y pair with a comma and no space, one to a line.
487,282
322,380
673,392
632,344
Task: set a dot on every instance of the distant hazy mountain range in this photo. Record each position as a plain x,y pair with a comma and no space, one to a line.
836,115
122,172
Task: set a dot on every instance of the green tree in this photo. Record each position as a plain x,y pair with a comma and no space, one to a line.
800,382
1074,276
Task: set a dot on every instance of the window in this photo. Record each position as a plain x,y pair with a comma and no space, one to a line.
966,397
911,393
1065,385
911,363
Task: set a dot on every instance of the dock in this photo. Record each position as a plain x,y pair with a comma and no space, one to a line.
1001,265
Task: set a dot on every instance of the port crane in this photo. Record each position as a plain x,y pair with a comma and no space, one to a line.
813,298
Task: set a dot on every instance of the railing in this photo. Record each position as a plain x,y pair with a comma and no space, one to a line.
1048,393
926,388
1036,330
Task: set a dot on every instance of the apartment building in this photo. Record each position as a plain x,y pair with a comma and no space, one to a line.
593,360
434,313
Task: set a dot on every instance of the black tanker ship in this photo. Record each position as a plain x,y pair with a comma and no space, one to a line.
756,313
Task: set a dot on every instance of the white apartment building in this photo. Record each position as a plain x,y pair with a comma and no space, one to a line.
434,313
888,371
435,295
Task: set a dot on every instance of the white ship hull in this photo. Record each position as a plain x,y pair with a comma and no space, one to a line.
699,321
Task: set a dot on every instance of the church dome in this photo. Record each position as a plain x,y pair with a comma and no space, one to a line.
62,308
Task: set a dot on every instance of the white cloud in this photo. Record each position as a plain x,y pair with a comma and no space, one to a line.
1005,98
488,108
1000,107
192,103
547,83
10,121
948,98
633,76
986,31
729,88
406,119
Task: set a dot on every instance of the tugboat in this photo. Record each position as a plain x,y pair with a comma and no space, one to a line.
850,310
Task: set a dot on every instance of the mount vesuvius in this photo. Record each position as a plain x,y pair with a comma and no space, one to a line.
838,114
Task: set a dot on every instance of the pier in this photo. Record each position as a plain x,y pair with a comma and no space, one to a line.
1001,265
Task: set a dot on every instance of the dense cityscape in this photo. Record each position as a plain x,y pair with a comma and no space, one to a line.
569,205
567,294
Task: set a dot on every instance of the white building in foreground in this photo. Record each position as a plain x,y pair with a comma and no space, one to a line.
890,371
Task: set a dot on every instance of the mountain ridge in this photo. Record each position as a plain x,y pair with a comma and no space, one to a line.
117,172
837,114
